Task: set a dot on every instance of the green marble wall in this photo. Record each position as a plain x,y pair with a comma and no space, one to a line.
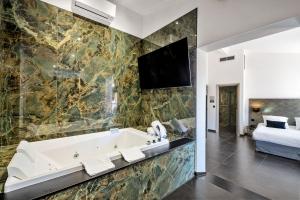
65,75
165,104
9,73
70,72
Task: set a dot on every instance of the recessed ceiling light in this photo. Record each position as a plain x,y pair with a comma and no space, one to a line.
176,22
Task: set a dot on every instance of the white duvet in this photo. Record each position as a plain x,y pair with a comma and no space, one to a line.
288,137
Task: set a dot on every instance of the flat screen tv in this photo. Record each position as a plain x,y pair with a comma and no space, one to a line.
166,67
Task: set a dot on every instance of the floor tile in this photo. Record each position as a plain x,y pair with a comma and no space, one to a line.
236,171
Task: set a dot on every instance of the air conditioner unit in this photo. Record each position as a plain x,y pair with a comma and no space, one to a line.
98,10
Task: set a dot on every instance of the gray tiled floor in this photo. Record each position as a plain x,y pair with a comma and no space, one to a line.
236,171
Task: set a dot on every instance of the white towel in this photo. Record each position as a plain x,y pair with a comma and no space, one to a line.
132,154
93,167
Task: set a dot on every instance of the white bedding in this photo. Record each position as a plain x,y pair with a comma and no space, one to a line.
288,137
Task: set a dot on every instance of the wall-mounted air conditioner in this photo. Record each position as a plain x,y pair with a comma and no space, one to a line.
98,10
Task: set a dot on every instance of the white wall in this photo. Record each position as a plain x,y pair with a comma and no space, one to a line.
201,112
218,19
126,20
266,75
224,73
271,75
161,18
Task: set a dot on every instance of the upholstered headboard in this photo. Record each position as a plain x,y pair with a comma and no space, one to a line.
281,107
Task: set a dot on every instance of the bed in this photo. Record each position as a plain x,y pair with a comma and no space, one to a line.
280,142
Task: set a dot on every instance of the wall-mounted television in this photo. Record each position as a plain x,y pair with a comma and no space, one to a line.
166,67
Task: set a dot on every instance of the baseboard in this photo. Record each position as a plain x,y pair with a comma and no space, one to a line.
199,174
209,130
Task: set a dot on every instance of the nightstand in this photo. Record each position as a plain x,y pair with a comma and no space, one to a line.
249,129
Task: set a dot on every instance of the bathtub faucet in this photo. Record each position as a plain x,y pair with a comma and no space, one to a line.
160,136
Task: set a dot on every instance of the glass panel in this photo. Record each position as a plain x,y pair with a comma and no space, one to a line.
38,60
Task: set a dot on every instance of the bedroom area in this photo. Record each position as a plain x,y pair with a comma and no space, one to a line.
262,152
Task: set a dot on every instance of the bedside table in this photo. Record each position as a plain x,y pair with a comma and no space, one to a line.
249,129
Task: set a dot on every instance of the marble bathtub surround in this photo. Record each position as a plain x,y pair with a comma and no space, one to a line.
151,163
63,75
152,179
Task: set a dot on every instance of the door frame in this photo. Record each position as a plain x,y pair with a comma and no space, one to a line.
238,111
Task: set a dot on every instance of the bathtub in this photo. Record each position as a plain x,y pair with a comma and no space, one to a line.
58,157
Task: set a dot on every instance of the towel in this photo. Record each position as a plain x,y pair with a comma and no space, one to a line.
93,167
132,154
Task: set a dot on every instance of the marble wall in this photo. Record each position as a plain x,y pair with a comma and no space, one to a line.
64,75
69,74
279,107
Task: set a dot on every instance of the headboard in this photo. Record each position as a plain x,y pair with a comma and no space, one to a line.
281,107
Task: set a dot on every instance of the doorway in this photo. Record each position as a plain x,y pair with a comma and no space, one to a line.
228,108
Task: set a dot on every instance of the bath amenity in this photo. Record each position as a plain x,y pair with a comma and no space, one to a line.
40,161
132,154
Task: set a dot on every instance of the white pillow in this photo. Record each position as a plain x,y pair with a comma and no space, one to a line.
277,119
297,119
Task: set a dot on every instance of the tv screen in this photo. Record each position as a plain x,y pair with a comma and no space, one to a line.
166,67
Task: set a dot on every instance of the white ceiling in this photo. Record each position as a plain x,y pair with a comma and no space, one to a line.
146,7
284,42
220,22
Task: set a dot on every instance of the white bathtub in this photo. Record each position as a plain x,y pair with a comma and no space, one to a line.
58,157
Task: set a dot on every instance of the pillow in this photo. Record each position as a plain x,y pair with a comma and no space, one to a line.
277,119
297,119
276,124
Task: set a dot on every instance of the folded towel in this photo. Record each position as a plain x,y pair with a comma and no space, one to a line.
132,154
93,167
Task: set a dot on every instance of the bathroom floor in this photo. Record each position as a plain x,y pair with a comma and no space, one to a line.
236,171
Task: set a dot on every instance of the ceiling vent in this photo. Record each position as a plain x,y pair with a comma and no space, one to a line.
98,10
227,58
